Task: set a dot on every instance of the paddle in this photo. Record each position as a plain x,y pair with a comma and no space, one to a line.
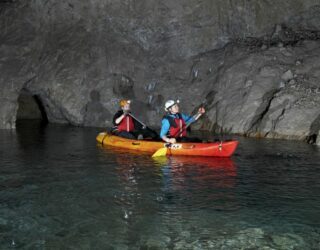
144,126
163,151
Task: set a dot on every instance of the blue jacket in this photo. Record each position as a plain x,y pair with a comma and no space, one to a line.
165,124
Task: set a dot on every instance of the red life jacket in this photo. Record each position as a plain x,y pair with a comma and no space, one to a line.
126,124
176,126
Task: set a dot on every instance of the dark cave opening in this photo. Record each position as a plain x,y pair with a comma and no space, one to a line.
312,139
30,109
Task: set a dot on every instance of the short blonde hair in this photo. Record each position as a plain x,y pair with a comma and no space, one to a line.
123,102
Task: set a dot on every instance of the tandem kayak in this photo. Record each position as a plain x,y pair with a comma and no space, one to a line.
213,149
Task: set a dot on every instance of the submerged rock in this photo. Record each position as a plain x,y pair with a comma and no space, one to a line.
288,241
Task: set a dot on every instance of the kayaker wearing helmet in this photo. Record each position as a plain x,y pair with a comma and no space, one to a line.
126,126
173,125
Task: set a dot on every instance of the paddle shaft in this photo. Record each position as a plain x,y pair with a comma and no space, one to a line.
163,151
144,126
196,117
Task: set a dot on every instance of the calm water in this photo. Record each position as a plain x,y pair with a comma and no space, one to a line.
60,190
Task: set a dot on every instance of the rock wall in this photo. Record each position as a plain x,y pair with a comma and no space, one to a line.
254,64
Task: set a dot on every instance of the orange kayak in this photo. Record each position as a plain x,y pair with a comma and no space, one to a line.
216,149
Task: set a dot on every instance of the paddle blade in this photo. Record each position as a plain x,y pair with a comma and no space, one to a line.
160,152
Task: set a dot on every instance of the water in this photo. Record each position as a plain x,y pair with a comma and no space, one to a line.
59,189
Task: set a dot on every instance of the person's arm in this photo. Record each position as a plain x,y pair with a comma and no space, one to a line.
190,119
118,117
165,126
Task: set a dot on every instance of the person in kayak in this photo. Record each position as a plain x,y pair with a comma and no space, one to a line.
126,126
173,125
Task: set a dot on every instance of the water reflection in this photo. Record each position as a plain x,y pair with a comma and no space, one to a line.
199,182
186,182
153,195
215,172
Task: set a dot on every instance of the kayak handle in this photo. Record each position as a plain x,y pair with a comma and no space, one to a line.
136,143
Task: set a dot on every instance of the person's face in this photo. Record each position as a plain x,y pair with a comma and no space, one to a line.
126,107
174,109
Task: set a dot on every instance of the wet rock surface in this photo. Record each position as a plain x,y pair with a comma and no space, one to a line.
257,71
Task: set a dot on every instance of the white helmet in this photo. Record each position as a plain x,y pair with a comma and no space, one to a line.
169,104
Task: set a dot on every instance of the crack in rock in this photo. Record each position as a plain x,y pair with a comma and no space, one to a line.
261,112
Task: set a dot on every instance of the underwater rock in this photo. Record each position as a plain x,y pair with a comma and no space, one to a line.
288,241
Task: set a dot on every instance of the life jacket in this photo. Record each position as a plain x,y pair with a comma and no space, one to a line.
126,124
177,125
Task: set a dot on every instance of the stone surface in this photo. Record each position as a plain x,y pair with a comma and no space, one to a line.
81,58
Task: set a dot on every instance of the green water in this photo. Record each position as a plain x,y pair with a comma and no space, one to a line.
59,189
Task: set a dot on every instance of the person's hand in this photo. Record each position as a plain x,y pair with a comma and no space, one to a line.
201,110
172,140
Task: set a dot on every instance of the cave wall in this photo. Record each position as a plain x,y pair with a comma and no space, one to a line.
254,63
